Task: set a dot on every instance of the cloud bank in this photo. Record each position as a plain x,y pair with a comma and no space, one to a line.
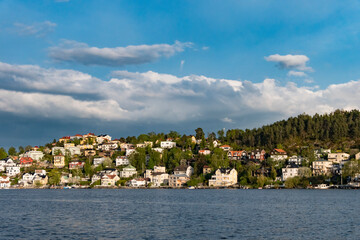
81,53
155,98
40,29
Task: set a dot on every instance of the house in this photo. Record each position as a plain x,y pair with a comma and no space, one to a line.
258,155
26,180
59,161
225,147
357,156
178,180
128,171
76,164
64,139
107,146
184,169
109,171
69,179
148,143
338,157
35,155
26,161
68,145
322,167
57,150
237,155
76,136
4,182
224,177
138,182
140,145
296,160
130,151
85,146
291,170
160,150
95,177
98,161
278,154
40,179
167,144
103,138
158,176
12,171
89,152
109,180
206,170
73,150
121,160
40,172
205,152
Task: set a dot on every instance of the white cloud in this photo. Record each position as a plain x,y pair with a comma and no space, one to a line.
205,48
28,90
182,62
290,61
71,51
39,29
227,120
296,74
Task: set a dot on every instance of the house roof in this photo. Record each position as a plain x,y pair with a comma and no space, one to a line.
279,150
181,168
26,160
225,146
225,170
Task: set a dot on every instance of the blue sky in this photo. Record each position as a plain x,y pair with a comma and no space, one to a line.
127,67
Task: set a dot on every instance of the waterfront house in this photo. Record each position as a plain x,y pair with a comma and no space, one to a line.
128,171
40,179
109,180
178,180
158,176
223,177
137,182
322,167
291,170
278,154
4,182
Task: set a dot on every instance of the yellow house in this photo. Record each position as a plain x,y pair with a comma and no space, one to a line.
223,177
59,161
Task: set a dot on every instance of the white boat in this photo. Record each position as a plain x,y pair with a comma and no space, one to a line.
192,187
322,186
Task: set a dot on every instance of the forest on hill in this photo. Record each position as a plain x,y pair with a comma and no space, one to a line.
339,130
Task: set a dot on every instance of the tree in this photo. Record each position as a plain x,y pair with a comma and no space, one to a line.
54,177
12,151
3,153
21,149
199,133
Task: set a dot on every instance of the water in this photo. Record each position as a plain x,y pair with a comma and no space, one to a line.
179,214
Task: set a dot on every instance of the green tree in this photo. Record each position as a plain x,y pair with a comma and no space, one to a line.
12,151
54,177
3,153
199,133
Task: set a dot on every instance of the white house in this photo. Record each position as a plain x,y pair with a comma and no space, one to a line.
12,171
129,151
128,171
103,138
36,155
109,180
4,182
138,182
297,160
74,150
158,176
121,160
223,177
167,144
55,150
160,150
184,169
290,171
98,161
205,152
107,146
338,157
278,154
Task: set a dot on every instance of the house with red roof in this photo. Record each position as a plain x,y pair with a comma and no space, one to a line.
237,155
26,161
278,154
225,147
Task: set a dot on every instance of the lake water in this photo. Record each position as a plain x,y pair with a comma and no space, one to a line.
179,214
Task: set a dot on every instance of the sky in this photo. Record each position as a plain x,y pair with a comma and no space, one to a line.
130,67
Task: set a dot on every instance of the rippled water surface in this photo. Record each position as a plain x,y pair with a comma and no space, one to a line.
179,214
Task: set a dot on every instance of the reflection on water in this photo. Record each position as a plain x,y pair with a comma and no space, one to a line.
179,214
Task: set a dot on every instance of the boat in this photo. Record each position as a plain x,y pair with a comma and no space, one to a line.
192,187
321,186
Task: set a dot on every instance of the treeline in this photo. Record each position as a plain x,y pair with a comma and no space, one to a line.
340,129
